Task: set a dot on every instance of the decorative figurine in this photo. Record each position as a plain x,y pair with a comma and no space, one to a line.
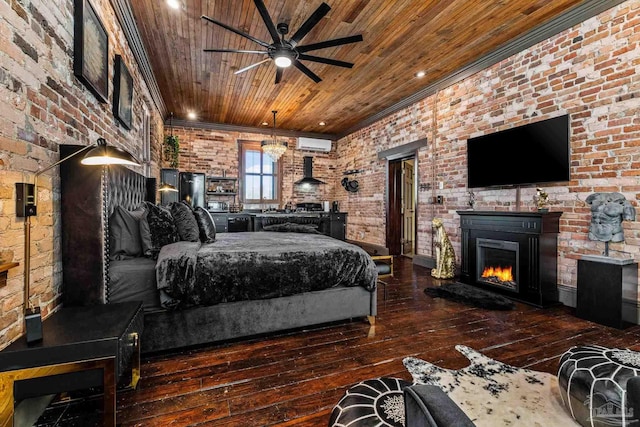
445,256
472,199
608,210
541,199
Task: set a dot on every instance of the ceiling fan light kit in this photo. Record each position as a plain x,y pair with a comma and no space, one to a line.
285,53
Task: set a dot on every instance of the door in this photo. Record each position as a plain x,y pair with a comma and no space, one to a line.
394,207
408,208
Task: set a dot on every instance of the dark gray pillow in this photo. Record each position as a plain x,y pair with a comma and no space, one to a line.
145,234
206,224
185,222
291,227
163,230
124,234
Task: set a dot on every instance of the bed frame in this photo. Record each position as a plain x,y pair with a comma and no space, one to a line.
89,196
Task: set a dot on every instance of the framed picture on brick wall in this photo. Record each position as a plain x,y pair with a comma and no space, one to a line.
122,93
91,50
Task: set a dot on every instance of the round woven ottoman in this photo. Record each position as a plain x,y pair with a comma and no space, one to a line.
593,380
374,402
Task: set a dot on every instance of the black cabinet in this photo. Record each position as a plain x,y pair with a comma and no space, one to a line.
239,222
221,220
82,347
169,176
337,225
603,284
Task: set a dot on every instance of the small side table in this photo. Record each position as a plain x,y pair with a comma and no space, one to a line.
603,284
77,343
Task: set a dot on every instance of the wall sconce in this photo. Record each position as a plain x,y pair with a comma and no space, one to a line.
26,206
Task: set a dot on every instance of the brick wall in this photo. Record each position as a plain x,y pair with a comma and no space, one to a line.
591,72
212,151
42,105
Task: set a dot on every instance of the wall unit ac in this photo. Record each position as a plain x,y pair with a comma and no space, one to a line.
314,144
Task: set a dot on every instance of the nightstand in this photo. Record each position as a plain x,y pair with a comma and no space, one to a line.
82,347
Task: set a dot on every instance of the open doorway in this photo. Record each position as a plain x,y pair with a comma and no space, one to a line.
401,217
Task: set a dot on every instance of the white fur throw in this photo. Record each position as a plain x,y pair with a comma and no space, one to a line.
492,393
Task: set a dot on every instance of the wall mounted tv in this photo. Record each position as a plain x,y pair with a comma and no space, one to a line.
531,154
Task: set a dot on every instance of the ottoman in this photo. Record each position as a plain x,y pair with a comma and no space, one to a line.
593,384
373,402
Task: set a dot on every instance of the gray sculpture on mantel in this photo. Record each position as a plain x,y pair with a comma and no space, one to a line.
608,210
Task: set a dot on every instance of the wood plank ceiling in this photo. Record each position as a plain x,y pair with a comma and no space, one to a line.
401,37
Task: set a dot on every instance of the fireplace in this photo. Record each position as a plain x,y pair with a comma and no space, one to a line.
497,263
512,253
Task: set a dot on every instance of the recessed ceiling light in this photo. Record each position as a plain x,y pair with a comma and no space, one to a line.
322,124
191,115
265,123
420,74
174,4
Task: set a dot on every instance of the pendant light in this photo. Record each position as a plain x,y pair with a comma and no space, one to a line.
272,147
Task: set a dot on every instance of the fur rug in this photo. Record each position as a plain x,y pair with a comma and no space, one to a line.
471,295
492,393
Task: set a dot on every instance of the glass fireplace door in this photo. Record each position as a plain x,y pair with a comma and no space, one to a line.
497,263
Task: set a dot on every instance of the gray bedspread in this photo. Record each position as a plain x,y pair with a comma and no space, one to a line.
247,266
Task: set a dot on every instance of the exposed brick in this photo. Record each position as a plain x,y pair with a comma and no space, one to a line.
25,47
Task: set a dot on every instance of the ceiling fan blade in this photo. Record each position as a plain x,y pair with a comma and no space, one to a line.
242,70
330,43
235,51
262,9
311,22
300,66
235,30
279,72
326,60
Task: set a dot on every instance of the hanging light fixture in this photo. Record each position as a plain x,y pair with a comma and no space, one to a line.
272,147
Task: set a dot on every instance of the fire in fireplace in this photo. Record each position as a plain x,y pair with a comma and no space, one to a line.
497,262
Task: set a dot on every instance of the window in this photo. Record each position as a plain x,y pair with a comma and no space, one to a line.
260,177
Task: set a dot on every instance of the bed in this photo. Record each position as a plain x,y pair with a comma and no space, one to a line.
88,198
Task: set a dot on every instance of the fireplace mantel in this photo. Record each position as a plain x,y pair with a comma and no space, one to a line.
536,234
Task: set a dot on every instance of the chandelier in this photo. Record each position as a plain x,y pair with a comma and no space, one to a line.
272,147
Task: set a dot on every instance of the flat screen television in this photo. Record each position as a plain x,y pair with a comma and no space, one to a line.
531,154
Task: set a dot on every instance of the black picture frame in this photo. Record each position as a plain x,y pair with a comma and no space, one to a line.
91,50
123,93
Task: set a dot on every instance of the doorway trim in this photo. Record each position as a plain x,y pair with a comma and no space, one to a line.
409,150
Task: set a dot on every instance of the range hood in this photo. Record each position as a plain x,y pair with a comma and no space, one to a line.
308,173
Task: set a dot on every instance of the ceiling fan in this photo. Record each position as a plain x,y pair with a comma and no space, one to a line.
287,52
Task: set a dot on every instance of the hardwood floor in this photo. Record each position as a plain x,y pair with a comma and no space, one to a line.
295,378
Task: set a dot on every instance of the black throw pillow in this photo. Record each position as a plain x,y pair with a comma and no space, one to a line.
124,234
206,224
163,230
185,222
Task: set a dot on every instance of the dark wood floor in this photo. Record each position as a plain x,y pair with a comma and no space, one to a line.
295,378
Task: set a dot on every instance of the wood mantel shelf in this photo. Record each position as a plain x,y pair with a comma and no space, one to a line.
3,271
7,266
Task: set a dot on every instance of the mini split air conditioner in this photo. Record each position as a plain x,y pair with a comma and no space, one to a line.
314,144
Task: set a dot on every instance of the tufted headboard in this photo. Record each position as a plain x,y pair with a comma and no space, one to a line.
89,194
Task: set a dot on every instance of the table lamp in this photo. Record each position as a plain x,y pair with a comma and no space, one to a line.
26,206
